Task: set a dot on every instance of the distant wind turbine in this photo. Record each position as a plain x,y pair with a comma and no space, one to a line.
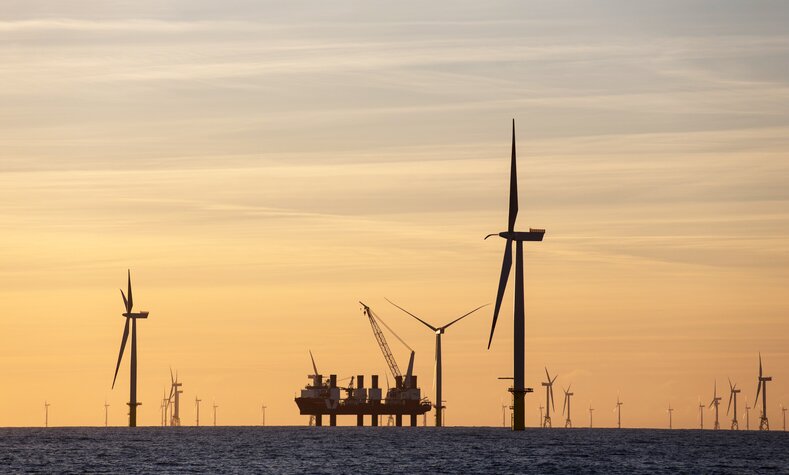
733,392
591,410
548,398
764,424
747,415
701,413
263,408
670,411
618,410
130,317
715,402
105,413
215,406
438,365
519,237
46,414
541,417
197,404
566,405
783,411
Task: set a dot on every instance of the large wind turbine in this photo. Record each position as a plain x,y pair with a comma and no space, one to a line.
518,389
764,424
733,392
715,402
567,395
129,303
548,398
438,370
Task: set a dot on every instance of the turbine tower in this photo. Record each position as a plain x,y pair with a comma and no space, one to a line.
197,403
670,412
701,413
733,392
618,410
46,414
541,418
175,399
747,415
215,406
519,237
548,398
163,407
130,317
263,408
567,395
783,411
591,410
715,402
764,424
438,369
105,413
503,415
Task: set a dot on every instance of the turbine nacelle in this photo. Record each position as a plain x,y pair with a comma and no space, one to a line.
533,234
136,315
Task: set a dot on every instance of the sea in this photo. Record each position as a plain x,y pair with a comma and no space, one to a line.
406,450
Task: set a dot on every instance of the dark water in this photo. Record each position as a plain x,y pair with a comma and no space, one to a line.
389,450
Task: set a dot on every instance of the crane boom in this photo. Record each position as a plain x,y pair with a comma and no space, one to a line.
379,336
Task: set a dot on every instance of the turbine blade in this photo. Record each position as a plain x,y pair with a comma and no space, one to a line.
547,375
505,274
513,186
406,311
731,395
172,379
760,365
462,317
125,302
131,300
314,368
120,353
758,388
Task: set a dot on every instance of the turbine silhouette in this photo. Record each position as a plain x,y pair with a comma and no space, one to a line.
733,392
764,424
519,237
130,318
567,395
548,398
715,402
438,369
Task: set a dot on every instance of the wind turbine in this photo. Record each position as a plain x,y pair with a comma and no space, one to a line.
541,418
130,316
503,415
783,411
215,406
518,390
590,415
197,403
618,410
701,413
567,395
263,408
747,415
438,369
670,412
46,414
764,424
163,407
733,391
175,397
548,398
715,402
105,413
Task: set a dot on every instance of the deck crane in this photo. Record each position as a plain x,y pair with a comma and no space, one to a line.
381,339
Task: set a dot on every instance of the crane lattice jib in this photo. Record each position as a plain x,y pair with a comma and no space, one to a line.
382,343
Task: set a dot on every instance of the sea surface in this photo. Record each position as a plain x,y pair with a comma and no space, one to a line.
329,450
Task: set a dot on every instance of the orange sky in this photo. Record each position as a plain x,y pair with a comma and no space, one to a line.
262,169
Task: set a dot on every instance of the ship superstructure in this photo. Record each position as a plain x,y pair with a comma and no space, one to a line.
324,396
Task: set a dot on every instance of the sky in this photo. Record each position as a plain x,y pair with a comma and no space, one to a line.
261,167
